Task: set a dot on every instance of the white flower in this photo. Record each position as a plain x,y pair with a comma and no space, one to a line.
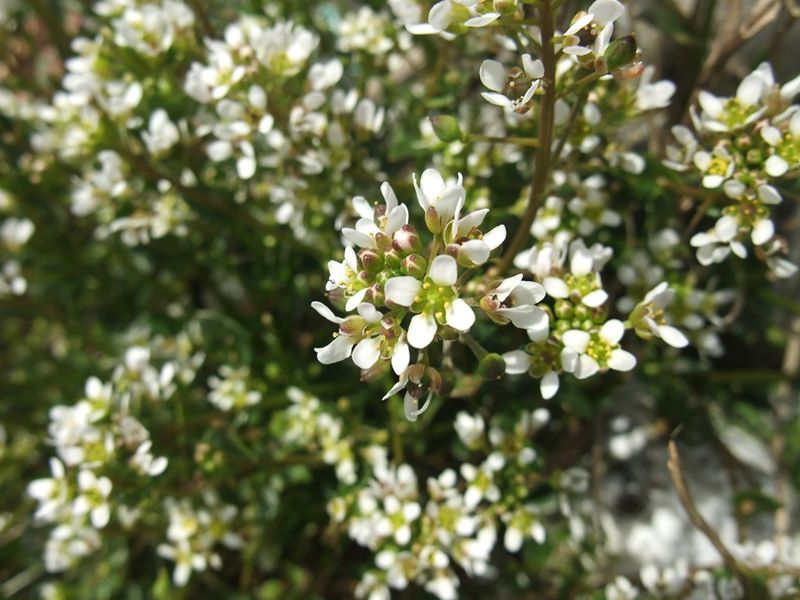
438,300
514,300
388,221
585,353
598,21
93,498
652,96
441,201
147,464
51,492
449,15
715,245
514,89
185,558
471,429
15,233
162,134
657,301
349,332
229,390
716,166
344,275
475,247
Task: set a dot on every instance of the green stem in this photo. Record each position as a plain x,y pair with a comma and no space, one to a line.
471,343
541,169
519,141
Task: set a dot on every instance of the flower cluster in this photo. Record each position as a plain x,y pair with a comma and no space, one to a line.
101,434
420,538
743,146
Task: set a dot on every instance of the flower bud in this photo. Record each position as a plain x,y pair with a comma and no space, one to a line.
489,304
392,259
382,241
352,325
453,250
406,239
375,295
631,72
448,333
563,309
370,260
415,372
415,265
446,128
492,367
581,312
505,7
432,220
621,53
434,379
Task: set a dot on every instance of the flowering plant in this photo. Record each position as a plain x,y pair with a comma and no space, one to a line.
559,336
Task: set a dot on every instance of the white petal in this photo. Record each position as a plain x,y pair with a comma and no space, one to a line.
581,262
506,286
354,300
726,228
440,15
569,360
401,384
517,362
495,237
477,251
549,385
326,312
496,99
388,196
768,194
528,292
459,315
100,516
587,366
771,135
421,330
763,230
576,339
555,287
336,351
710,104
482,20
402,290
411,406
369,313
672,336
397,217
367,352
359,238
749,91
606,11
443,270
432,184
401,356
246,167
526,316
493,75
776,166
621,360
595,298
473,219
533,68
362,207
612,331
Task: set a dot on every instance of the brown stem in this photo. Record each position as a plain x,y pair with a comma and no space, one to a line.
541,169
684,495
